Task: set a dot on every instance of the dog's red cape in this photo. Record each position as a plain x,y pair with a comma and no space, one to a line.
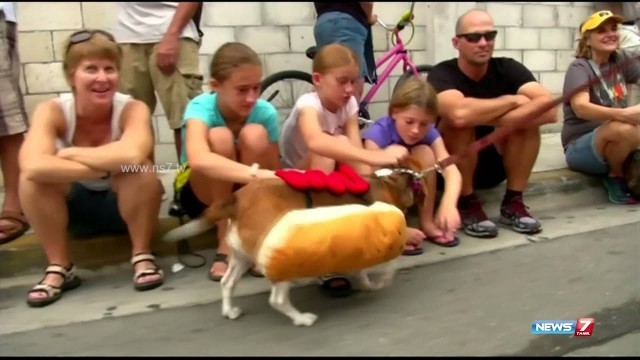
345,180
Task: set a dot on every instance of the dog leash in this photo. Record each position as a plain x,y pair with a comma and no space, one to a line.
501,132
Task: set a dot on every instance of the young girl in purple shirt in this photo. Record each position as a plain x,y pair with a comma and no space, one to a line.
411,121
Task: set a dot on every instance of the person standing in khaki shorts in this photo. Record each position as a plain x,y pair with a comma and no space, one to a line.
13,124
160,43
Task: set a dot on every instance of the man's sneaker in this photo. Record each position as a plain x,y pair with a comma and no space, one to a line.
475,222
618,191
515,214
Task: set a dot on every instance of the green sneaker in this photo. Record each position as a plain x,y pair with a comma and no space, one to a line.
618,191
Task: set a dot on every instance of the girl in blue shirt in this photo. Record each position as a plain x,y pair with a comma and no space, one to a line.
223,133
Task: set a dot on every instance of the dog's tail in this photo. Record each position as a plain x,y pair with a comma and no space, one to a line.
214,213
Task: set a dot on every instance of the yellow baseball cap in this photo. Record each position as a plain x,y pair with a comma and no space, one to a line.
597,19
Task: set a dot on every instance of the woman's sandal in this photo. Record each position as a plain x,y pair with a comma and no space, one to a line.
219,257
54,293
156,270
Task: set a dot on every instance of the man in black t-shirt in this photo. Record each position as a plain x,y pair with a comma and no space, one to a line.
476,93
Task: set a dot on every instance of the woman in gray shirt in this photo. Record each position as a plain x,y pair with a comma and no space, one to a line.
600,128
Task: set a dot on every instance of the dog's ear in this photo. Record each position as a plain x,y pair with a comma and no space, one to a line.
413,163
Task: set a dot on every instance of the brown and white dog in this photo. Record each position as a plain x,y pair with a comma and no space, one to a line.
267,217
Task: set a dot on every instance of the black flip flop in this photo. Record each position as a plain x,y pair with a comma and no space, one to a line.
343,290
453,243
414,252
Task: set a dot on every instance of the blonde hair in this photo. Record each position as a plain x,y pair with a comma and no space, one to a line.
414,91
333,56
101,44
583,50
230,56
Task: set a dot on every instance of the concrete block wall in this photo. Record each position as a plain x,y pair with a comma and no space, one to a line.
539,34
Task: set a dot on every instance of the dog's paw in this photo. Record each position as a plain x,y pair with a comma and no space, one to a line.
305,319
232,313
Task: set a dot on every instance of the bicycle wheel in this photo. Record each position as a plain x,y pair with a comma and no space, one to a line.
283,89
422,69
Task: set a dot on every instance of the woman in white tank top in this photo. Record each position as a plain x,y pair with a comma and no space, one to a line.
86,164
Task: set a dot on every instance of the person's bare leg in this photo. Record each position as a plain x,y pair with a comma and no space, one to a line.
457,140
208,190
139,198
519,152
426,210
615,140
9,148
475,221
254,147
39,201
177,138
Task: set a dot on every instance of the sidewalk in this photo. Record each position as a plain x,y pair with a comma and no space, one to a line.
565,202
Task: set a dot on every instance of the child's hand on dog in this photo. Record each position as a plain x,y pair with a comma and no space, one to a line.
391,155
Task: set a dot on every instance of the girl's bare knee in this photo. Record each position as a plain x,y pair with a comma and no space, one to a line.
424,154
253,136
222,142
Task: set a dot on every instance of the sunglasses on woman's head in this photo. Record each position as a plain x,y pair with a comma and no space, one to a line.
85,35
475,37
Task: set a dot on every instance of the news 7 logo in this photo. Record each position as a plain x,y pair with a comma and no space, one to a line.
579,327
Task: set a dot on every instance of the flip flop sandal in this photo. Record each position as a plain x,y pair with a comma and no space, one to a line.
452,243
16,229
156,270
342,290
218,258
54,293
413,252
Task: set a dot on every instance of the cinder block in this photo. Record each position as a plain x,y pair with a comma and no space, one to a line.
280,62
514,54
538,16
214,37
505,14
31,101
301,38
59,42
564,58
45,78
289,13
99,15
232,13
553,81
522,38
540,60
556,39
37,16
572,16
35,46
419,40
264,39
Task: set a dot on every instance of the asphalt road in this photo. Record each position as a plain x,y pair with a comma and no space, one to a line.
481,305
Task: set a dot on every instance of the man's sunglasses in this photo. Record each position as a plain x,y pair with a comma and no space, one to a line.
475,37
85,35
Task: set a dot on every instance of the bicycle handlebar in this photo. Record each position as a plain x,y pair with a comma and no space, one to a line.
406,18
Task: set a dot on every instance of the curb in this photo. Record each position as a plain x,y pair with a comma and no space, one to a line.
25,255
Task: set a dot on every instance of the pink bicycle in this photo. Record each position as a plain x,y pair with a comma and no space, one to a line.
280,86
